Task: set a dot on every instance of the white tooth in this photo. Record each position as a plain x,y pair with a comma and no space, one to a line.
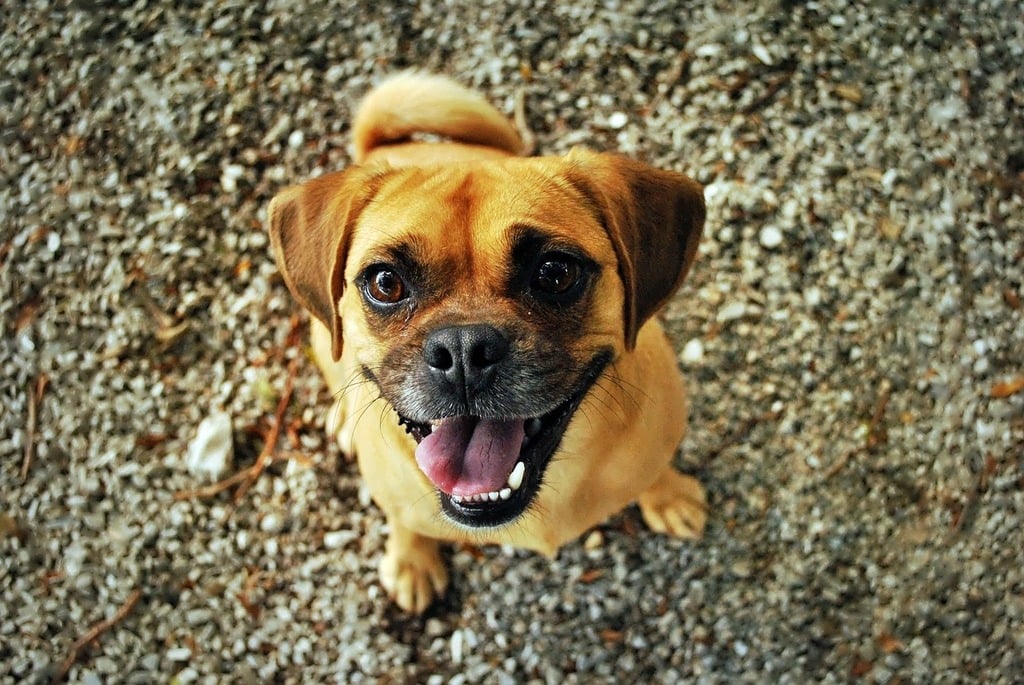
493,496
515,479
457,499
505,493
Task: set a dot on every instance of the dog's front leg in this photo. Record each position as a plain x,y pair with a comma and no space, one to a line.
675,505
412,570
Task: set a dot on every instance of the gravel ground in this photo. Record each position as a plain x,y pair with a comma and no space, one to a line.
853,335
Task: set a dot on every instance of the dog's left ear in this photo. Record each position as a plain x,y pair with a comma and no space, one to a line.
310,229
654,219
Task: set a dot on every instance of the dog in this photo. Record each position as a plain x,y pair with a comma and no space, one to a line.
486,323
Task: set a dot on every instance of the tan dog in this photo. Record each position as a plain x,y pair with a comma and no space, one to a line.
501,378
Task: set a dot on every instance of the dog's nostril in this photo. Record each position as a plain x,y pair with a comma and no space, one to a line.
487,353
439,357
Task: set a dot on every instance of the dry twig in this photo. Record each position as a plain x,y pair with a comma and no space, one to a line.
35,396
741,433
267,454
93,634
772,87
248,476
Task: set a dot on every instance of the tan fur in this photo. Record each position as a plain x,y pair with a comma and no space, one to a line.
457,200
412,103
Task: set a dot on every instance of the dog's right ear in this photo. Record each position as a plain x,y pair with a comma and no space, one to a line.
310,229
654,219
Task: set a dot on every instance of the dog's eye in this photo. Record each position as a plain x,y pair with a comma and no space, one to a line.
385,286
557,274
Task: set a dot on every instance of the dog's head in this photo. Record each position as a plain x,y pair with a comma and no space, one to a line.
485,299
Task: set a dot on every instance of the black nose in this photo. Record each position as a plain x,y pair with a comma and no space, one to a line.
465,357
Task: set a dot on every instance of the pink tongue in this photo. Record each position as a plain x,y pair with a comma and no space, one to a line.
469,456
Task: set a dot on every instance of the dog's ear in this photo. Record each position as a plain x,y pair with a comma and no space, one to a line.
654,219
310,231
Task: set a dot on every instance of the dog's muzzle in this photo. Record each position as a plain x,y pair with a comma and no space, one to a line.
486,465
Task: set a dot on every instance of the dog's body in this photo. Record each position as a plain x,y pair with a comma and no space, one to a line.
501,378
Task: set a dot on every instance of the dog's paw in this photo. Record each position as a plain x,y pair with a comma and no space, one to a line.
675,505
413,575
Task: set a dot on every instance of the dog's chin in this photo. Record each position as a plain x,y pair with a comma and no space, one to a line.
541,437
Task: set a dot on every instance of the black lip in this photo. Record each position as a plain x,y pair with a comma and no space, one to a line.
536,456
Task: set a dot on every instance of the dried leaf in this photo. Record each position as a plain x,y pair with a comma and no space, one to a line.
888,643
292,431
861,667
611,635
27,314
1012,299
850,93
39,234
888,228
73,145
151,440
167,334
250,608
1007,388
588,577
9,527
242,267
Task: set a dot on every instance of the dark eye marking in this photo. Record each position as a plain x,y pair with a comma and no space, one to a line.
547,268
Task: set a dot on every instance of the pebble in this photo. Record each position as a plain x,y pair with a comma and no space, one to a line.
731,311
210,451
272,523
693,352
617,120
762,54
770,237
179,654
339,538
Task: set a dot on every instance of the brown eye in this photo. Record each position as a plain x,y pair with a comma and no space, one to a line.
556,275
385,286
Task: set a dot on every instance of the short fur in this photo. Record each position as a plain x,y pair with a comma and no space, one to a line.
469,229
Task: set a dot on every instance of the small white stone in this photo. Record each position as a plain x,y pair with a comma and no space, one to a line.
229,177
296,139
272,523
762,54
770,237
179,654
732,311
708,50
617,120
456,646
693,352
211,449
337,539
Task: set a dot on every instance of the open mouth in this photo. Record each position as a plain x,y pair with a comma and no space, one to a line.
487,471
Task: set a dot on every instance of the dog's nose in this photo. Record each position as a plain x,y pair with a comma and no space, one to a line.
467,357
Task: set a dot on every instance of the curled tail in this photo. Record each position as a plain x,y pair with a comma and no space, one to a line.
412,103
